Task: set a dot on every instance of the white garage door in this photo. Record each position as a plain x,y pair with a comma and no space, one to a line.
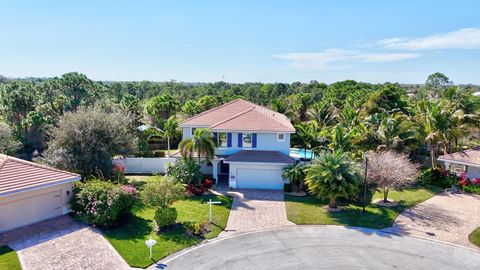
259,178
30,210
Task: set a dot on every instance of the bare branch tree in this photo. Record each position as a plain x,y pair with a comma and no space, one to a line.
390,169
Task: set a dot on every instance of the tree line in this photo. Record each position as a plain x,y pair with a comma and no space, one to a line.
435,118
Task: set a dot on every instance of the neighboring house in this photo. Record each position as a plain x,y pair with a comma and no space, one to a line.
253,144
464,161
30,192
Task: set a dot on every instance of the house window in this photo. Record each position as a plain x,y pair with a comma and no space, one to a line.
247,140
193,130
281,137
222,139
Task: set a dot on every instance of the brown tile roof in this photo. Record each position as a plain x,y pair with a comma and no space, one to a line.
17,175
259,156
241,115
469,156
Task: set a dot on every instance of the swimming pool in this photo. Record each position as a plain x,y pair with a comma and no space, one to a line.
300,153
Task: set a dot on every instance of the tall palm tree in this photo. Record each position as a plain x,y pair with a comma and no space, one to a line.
307,135
332,175
395,132
170,130
436,122
295,173
322,113
201,142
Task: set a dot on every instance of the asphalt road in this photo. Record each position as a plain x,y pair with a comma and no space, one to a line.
322,247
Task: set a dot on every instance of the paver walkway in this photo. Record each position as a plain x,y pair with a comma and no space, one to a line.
254,210
445,217
62,243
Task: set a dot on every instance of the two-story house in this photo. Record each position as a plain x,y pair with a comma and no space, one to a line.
253,143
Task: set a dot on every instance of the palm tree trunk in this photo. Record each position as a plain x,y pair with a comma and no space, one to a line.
333,202
199,164
168,144
432,155
385,194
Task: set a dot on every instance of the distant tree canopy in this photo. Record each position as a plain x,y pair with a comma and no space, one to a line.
437,117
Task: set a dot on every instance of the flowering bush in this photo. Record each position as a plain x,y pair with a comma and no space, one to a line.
185,171
102,203
118,174
129,189
476,182
463,180
438,177
196,190
207,183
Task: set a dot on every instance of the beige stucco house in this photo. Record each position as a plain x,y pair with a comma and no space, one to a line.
30,192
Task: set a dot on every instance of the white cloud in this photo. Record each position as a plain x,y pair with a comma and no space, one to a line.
466,38
338,58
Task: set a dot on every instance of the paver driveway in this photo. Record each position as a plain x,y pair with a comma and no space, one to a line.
254,210
62,243
445,217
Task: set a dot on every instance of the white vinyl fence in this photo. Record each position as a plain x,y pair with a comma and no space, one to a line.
144,165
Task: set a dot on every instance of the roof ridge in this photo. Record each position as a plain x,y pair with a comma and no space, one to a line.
3,160
232,117
274,113
30,163
211,110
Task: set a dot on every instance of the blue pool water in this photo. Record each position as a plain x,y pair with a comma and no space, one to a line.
300,153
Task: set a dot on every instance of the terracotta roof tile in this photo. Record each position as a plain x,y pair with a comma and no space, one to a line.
18,175
241,115
469,156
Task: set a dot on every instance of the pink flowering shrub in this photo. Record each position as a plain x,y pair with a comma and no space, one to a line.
102,203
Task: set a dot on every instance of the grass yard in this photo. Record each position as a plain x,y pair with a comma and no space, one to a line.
309,210
129,239
9,259
474,237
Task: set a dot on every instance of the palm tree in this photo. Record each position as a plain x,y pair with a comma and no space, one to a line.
170,130
201,142
322,113
332,175
395,132
436,123
295,173
307,135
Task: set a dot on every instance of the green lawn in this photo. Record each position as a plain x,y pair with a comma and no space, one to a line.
129,239
309,210
9,259
474,237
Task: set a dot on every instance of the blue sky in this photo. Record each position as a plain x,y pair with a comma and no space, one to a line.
267,41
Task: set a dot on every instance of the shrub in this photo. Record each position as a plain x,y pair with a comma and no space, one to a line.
165,216
101,203
185,171
463,180
162,192
118,174
476,181
437,177
158,153
472,189
207,183
196,190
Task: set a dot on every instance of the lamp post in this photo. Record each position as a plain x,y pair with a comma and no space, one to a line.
365,183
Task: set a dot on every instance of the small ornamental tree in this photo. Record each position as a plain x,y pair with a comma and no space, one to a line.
162,193
391,170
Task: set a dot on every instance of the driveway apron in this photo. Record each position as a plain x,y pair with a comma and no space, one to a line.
62,243
254,210
445,217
